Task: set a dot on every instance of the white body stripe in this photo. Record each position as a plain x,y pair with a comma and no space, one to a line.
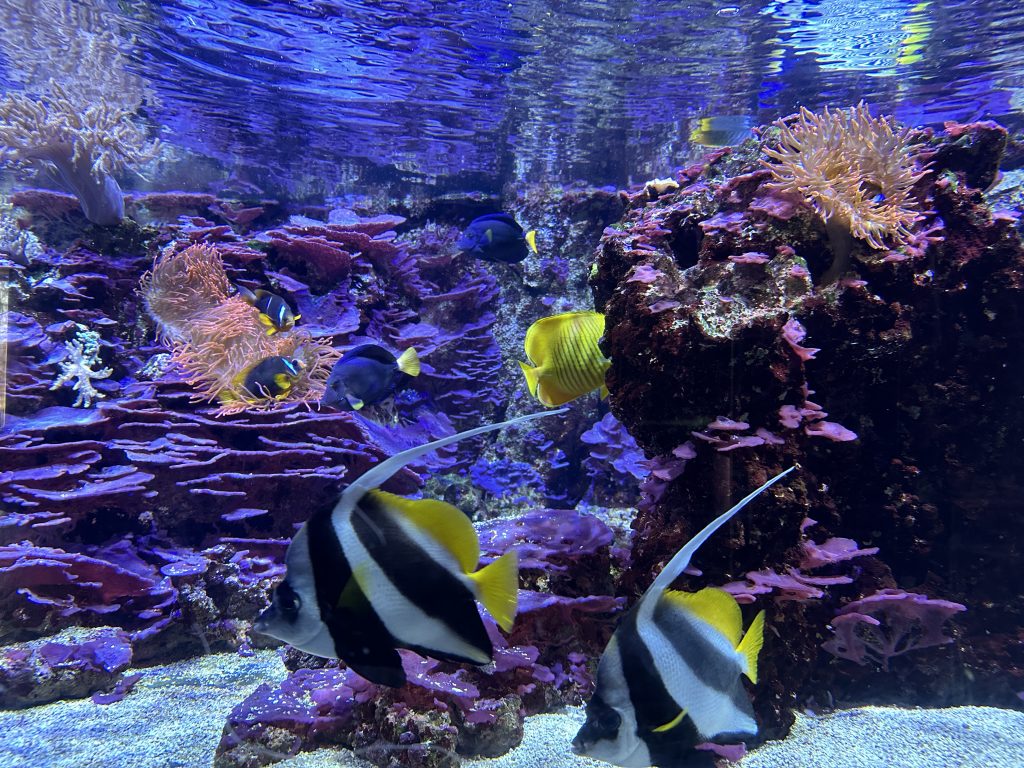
628,750
403,618
712,710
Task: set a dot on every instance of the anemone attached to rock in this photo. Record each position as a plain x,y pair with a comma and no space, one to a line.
217,337
857,171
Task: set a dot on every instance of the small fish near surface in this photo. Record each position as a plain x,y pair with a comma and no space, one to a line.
368,374
270,378
381,572
497,237
275,314
669,678
566,361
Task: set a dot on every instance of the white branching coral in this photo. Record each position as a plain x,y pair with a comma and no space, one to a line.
19,245
857,171
81,124
83,354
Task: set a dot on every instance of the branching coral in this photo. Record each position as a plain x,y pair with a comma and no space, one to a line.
857,171
82,122
216,337
77,370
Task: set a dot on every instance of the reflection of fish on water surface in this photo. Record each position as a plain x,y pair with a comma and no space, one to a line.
381,572
721,131
669,678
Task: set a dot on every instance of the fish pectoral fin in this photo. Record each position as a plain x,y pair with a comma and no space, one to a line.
355,402
714,607
282,381
604,391
444,523
671,723
750,647
489,234
531,240
532,377
498,588
409,362
265,319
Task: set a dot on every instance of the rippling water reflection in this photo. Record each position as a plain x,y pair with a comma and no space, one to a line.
484,91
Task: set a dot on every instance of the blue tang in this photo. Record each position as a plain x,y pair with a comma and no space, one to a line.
497,237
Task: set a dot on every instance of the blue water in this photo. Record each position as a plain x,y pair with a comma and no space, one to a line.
484,92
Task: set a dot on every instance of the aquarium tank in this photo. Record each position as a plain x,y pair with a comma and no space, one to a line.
511,384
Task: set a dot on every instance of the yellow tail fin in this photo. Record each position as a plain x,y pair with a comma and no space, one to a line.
750,646
497,587
531,240
532,377
409,362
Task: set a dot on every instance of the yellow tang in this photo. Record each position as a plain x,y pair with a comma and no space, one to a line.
567,362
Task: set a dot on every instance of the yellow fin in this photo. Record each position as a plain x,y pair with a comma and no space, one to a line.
489,233
265,320
409,362
356,403
531,240
551,393
498,588
750,646
532,374
298,317
604,392
447,525
671,723
282,381
712,606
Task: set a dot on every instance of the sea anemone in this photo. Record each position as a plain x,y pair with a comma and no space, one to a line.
216,337
855,170
76,118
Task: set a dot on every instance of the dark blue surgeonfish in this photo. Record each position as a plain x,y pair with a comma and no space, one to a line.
366,375
497,237
669,678
380,572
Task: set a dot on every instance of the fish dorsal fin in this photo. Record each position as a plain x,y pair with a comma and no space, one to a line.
671,723
445,524
750,647
380,473
409,362
371,352
714,607
504,218
498,588
678,563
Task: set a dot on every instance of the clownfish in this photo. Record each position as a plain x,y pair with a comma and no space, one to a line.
275,314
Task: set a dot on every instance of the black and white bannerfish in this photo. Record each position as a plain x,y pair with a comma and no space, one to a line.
381,572
669,678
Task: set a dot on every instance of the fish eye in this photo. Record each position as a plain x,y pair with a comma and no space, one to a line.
288,601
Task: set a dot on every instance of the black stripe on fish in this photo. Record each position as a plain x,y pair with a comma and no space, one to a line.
420,579
360,638
653,706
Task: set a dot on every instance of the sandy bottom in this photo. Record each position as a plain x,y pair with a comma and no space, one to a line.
174,717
